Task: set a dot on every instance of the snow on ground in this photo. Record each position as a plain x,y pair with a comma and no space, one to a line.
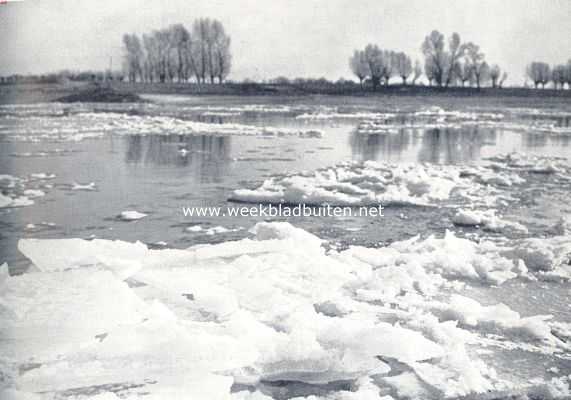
110,318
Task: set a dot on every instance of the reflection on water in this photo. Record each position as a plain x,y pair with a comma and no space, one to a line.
562,121
176,150
534,140
157,174
382,147
207,158
454,146
437,145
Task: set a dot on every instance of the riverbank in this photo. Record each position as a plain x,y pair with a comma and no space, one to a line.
334,89
86,92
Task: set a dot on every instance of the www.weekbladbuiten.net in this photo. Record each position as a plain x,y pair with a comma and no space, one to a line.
279,210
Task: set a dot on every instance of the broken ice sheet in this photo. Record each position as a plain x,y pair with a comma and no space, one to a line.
273,308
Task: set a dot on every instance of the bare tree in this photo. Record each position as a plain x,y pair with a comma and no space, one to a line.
374,57
464,71
430,71
558,76
151,62
179,37
503,80
222,55
539,73
495,73
456,50
482,74
417,72
475,58
435,57
388,62
200,30
359,66
403,66
175,53
133,57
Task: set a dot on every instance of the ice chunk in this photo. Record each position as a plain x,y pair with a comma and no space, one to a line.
21,201
122,258
131,215
470,312
50,314
457,257
86,187
14,394
562,227
42,176
542,254
487,219
354,184
219,229
4,273
34,193
5,201
275,307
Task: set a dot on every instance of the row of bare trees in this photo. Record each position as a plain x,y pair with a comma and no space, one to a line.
381,65
453,62
540,73
179,54
445,63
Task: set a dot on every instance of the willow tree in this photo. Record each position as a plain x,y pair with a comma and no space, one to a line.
403,66
177,53
359,66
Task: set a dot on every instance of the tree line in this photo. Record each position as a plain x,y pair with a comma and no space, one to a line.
179,54
446,62
540,73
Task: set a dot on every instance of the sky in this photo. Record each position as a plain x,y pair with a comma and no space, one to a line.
292,38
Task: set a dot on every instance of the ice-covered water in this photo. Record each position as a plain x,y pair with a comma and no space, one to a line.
495,175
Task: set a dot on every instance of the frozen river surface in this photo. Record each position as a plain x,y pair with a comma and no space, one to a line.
461,288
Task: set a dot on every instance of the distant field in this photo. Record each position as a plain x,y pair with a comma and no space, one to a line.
38,93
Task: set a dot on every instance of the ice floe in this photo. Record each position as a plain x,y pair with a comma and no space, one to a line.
354,184
488,220
544,254
131,215
274,308
20,192
90,125
88,187
212,230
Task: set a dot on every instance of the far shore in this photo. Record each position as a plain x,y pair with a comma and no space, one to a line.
20,93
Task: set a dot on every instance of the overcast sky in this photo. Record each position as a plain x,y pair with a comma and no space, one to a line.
310,38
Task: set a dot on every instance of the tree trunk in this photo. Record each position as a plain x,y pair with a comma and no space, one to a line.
376,81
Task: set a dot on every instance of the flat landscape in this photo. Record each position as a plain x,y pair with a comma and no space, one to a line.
461,286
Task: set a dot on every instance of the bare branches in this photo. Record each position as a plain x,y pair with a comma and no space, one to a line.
539,73
359,66
381,65
174,53
403,66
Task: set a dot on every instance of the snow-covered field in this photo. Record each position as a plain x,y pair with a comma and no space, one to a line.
461,290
